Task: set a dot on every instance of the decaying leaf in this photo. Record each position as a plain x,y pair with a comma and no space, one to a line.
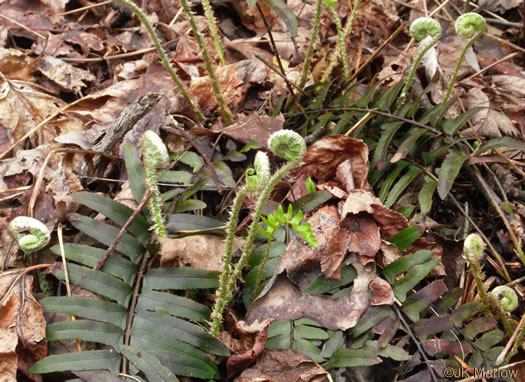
250,346
325,155
281,300
64,74
283,366
22,325
197,251
488,122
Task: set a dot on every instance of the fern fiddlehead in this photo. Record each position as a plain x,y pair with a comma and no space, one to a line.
428,32
470,25
292,147
473,248
504,299
31,234
155,156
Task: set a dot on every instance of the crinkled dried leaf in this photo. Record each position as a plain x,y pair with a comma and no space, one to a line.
253,127
64,74
283,366
197,251
253,339
282,301
381,292
488,122
325,155
22,324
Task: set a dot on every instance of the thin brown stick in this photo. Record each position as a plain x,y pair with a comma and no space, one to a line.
116,240
376,52
276,53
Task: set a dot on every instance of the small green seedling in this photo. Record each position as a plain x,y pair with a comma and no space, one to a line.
273,222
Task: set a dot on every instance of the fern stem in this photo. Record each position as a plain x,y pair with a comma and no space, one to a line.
311,46
341,42
458,65
212,25
346,32
285,169
223,282
419,57
163,57
225,111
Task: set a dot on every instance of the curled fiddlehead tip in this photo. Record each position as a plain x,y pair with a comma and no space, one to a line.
31,234
508,299
257,177
473,248
287,144
154,150
469,24
424,27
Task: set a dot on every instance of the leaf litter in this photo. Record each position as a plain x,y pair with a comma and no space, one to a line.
353,227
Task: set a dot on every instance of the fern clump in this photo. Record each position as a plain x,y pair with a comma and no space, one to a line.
290,146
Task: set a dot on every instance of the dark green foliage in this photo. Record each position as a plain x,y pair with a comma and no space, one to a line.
166,337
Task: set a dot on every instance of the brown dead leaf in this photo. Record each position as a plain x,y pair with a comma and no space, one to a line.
254,127
235,81
249,346
62,185
197,251
24,105
364,234
22,324
390,222
64,74
440,346
280,300
381,292
283,366
488,122
324,156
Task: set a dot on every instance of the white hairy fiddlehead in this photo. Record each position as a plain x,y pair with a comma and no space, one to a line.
470,25
288,145
428,32
507,298
155,155
473,248
30,234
